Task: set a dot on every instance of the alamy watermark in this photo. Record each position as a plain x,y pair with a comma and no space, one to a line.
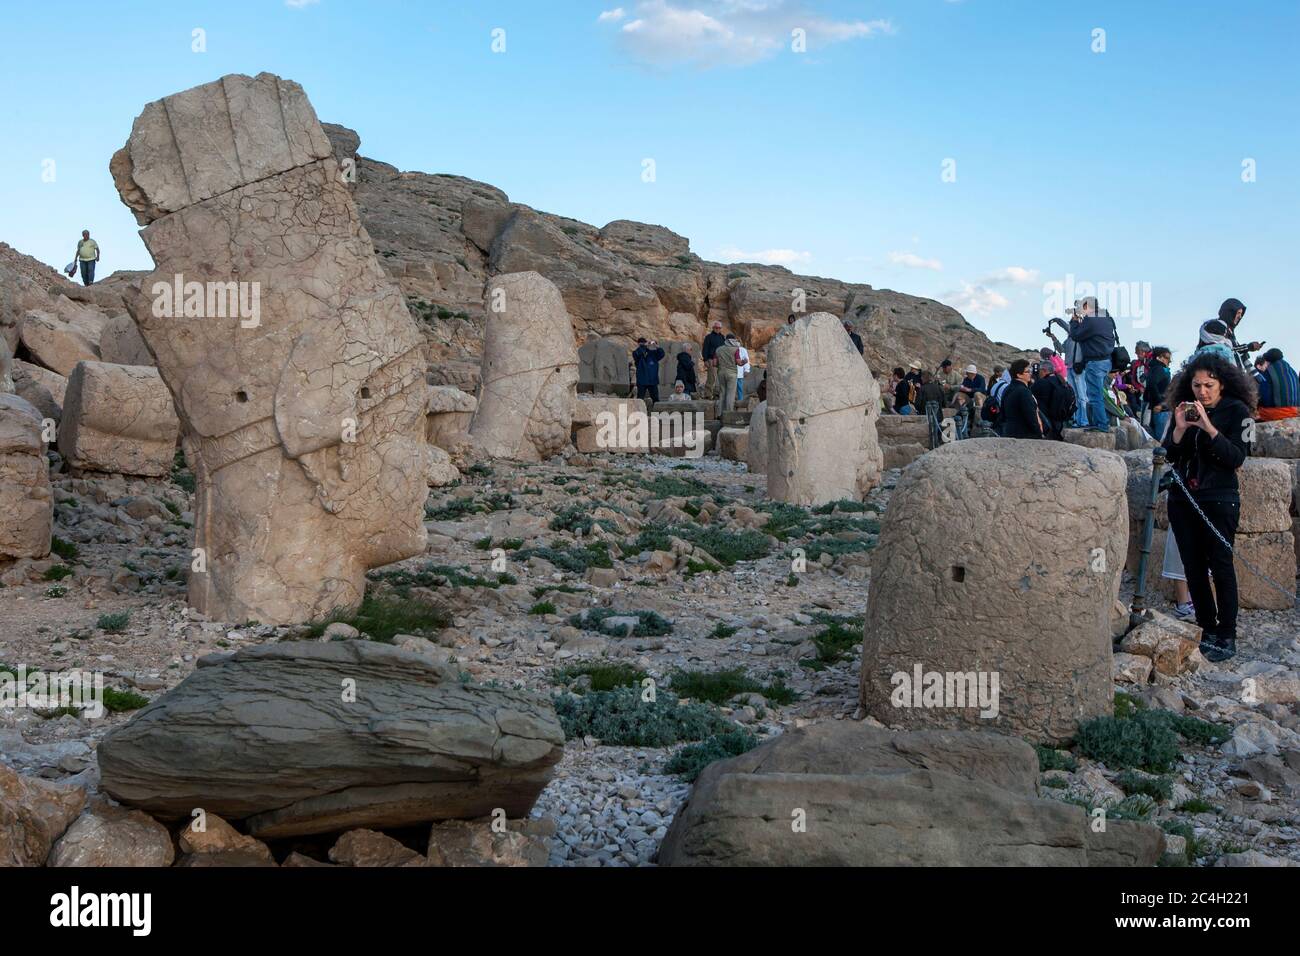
634,430
955,689
208,300
41,690
1128,301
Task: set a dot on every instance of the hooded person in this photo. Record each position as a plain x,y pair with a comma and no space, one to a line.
1223,330
1279,388
686,372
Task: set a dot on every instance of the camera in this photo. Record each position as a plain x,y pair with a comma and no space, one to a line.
1190,413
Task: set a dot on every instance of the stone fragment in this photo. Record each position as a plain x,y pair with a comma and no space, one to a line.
1169,643
756,450
41,387
118,419
33,814
415,745
1280,439
733,444
1131,668
121,342
106,835
26,500
450,412
63,335
1088,438
530,370
295,366
460,843
603,367
369,848
822,405
218,836
947,547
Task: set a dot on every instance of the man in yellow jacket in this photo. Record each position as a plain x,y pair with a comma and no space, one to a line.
87,256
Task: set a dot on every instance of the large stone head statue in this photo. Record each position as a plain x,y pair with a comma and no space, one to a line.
294,363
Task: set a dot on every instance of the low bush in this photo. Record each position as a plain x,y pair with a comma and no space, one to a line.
621,718
693,758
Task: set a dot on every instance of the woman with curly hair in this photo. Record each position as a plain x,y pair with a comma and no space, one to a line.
1214,402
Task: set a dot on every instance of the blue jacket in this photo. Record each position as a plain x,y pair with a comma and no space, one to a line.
1096,336
647,365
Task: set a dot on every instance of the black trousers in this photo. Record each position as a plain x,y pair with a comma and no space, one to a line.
1205,557
652,390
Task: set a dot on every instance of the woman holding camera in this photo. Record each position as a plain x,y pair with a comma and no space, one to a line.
1213,403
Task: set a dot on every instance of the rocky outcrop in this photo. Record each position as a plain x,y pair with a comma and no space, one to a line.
303,410
34,813
297,738
843,793
965,584
26,501
530,371
822,404
118,419
63,335
106,835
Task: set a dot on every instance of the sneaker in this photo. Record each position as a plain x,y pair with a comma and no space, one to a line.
1184,611
1221,651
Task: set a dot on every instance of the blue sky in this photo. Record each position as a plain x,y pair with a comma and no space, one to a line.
1121,166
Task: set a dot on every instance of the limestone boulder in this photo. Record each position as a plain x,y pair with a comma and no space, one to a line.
19,294
450,412
1169,644
988,571
118,419
733,444
63,335
903,429
441,470
107,835
34,813
300,385
1091,439
44,389
900,456
756,450
26,500
216,836
1280,439
530,370
863,796
821,440
1274,554
370,848
1265,495
595,422
461,843
122,344
272,736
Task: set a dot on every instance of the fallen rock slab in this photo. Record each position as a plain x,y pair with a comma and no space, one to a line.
118,419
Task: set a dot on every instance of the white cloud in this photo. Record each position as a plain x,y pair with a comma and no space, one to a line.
772,257
912,261
974,299
618,13
729,32
1011,275
299,4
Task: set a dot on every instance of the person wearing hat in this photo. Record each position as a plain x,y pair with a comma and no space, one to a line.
976,390
647,357
1279,389
711,343
1135,378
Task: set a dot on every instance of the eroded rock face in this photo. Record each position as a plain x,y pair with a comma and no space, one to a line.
106,835
822,405
875,798
756,452
26,501
64,334
118,419
303,416
6,369
1019,584
33,814
265,736
530,370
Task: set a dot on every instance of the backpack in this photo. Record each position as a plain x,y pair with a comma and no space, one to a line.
911,394
1119,357
990,410
1064,403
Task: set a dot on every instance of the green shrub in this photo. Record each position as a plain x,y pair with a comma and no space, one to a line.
453,510
693,758
57,573
836,547
577,520
483,544
575,559
1200,731
603,676
402,580
56,591
840,634
113,623
649,623
479,470
540,590
181,476
846,505
542,607
721,630
1049,758
1196,805
1157,787
1134,742
719,686
118,701
621,718
384,616
64,549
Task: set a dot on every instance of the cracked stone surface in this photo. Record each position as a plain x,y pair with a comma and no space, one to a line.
266,736
530,370
26,501
304,428
118,419
822,406
1018,583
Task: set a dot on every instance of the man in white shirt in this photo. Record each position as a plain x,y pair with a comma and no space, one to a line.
742,366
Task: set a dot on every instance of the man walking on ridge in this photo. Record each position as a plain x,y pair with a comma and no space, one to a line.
87,256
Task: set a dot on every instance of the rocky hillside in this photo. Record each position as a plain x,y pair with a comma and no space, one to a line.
442,237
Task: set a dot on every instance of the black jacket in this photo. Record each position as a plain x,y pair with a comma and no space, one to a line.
1209,466
1158,379
712,342
1096,336
857,341
686,370
1051,393
1019,418
901,391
